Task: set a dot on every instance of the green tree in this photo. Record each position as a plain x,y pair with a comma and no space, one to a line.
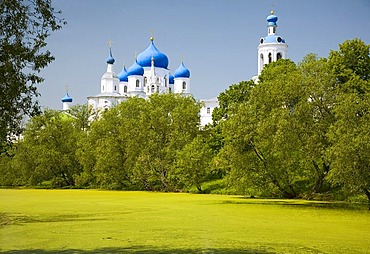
260,145
228,100
134,144
350,135
25,27
313,116
83,116
234,95
352,59
193,162
172,121
102,149
47,151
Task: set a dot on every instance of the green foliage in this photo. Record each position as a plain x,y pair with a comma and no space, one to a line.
235,94
47,151
192,163
281,137
350,135
25,26
134,144
278,140
352,59
260,145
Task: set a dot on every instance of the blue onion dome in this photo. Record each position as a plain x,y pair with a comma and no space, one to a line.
66,98
272,19
135,69
181,72
123,75
145,58
171,79
110,59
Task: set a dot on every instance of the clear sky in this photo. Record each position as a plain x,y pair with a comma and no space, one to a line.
217,39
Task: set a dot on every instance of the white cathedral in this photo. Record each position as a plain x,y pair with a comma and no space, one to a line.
150,74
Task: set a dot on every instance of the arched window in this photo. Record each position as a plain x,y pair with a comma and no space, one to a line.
153,89
165,81
103,88
145,81
270,57
158,89
125,89
279,56
137,83
184,85
115,88
170,90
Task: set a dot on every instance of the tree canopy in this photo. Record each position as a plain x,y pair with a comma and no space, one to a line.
301,131
25,26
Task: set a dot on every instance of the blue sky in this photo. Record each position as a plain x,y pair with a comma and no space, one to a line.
217,39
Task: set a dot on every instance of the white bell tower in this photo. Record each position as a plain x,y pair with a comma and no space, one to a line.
272,47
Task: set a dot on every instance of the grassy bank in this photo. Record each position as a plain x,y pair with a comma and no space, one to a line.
89,221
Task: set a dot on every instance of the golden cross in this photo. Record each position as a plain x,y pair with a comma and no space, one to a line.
110,43
67,88
152,35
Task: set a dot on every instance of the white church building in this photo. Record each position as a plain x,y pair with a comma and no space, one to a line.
150,74
147,75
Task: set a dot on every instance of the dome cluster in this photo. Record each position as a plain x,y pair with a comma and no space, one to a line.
144,59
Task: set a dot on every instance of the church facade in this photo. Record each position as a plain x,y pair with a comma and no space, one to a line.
147,75
150,74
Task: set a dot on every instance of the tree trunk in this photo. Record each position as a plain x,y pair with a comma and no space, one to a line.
318,184
286,193
367,193
321,176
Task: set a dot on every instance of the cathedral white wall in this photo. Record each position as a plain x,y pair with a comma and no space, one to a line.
109,85
132,89
207,110
161,85
179,87
121,88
